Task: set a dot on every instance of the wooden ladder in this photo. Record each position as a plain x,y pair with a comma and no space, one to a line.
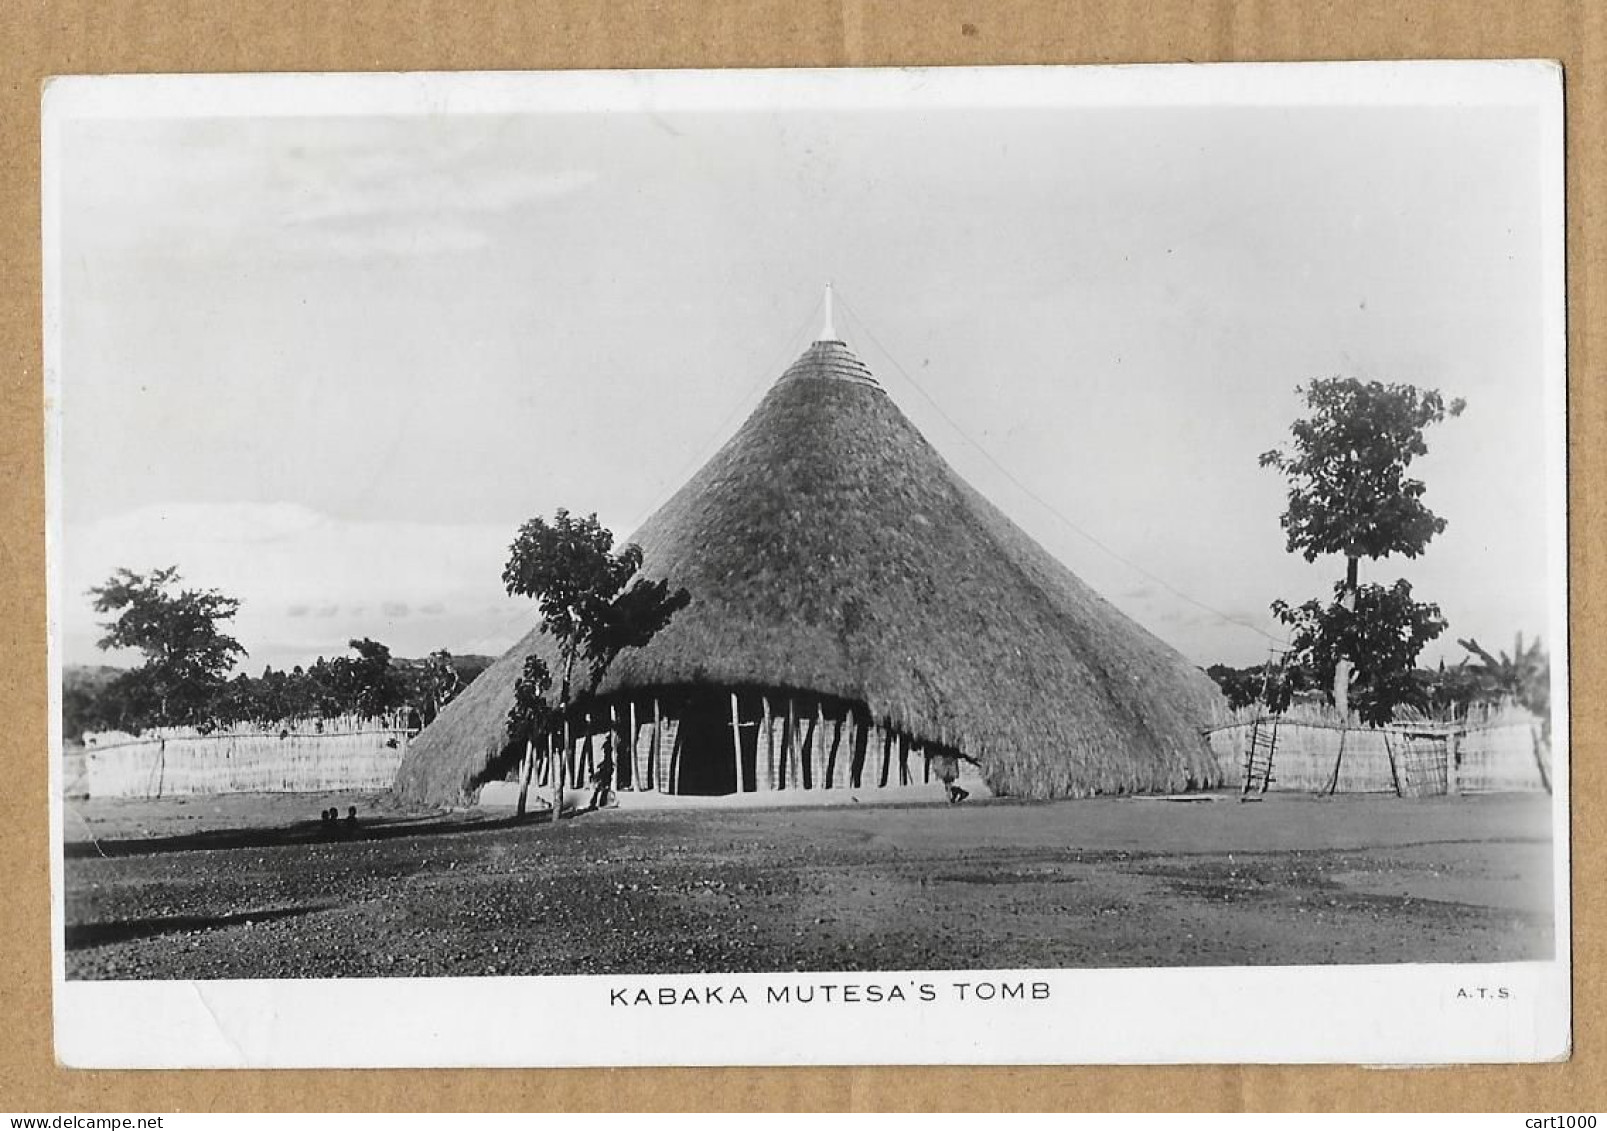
1258,758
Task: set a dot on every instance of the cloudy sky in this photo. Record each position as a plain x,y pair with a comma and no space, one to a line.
328,363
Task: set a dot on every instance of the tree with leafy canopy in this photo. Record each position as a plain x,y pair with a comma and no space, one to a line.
372,686
591,601
1350,494
1380,638
187,654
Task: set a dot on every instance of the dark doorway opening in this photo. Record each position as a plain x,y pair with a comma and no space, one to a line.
707,765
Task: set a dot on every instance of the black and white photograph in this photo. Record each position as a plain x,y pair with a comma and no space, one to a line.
999,565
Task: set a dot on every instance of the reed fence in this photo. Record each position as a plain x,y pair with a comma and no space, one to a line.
310,757
1501,749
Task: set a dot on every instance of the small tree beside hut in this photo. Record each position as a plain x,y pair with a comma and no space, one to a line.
1350,494
591,607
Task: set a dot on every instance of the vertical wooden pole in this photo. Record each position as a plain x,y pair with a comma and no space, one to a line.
1333,783
677,754
590,747
833,745
817,750
793,772
887,759
765,757
622,750
778,741
855,751
736,741
649,755
635,747
778,747
806,755
1394,774
1453,772
560,776
661,756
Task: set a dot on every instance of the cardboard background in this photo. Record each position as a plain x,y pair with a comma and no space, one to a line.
49,37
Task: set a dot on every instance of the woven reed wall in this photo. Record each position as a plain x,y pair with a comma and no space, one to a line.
74,783
1497,752
1306,754
1504,758
346,754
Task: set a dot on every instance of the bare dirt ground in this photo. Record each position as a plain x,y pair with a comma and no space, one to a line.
252,887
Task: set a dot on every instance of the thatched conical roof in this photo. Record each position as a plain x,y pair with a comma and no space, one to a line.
829,550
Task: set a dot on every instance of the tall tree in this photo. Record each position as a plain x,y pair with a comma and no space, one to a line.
590,599
187,654
1350,494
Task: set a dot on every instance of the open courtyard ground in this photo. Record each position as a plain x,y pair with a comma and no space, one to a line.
251,886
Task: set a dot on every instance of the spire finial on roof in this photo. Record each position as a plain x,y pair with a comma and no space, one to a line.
827,333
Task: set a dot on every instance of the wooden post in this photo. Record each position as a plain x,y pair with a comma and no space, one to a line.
765,758
834,742
1539,755
806,755
736,741
635,746
622,750
887,758
560,777
1333,783
793,773
677,753
661,756
526,768
904,759
853,767
1453,772
590,747
783,756
1394,774
817,750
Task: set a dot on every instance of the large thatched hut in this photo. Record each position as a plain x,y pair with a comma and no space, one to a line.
858,614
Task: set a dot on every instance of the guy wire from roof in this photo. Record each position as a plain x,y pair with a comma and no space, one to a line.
1039,499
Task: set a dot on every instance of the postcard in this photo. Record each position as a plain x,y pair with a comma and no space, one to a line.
977,566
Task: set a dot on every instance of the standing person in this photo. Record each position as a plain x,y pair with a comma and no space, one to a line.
603,779
948,772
